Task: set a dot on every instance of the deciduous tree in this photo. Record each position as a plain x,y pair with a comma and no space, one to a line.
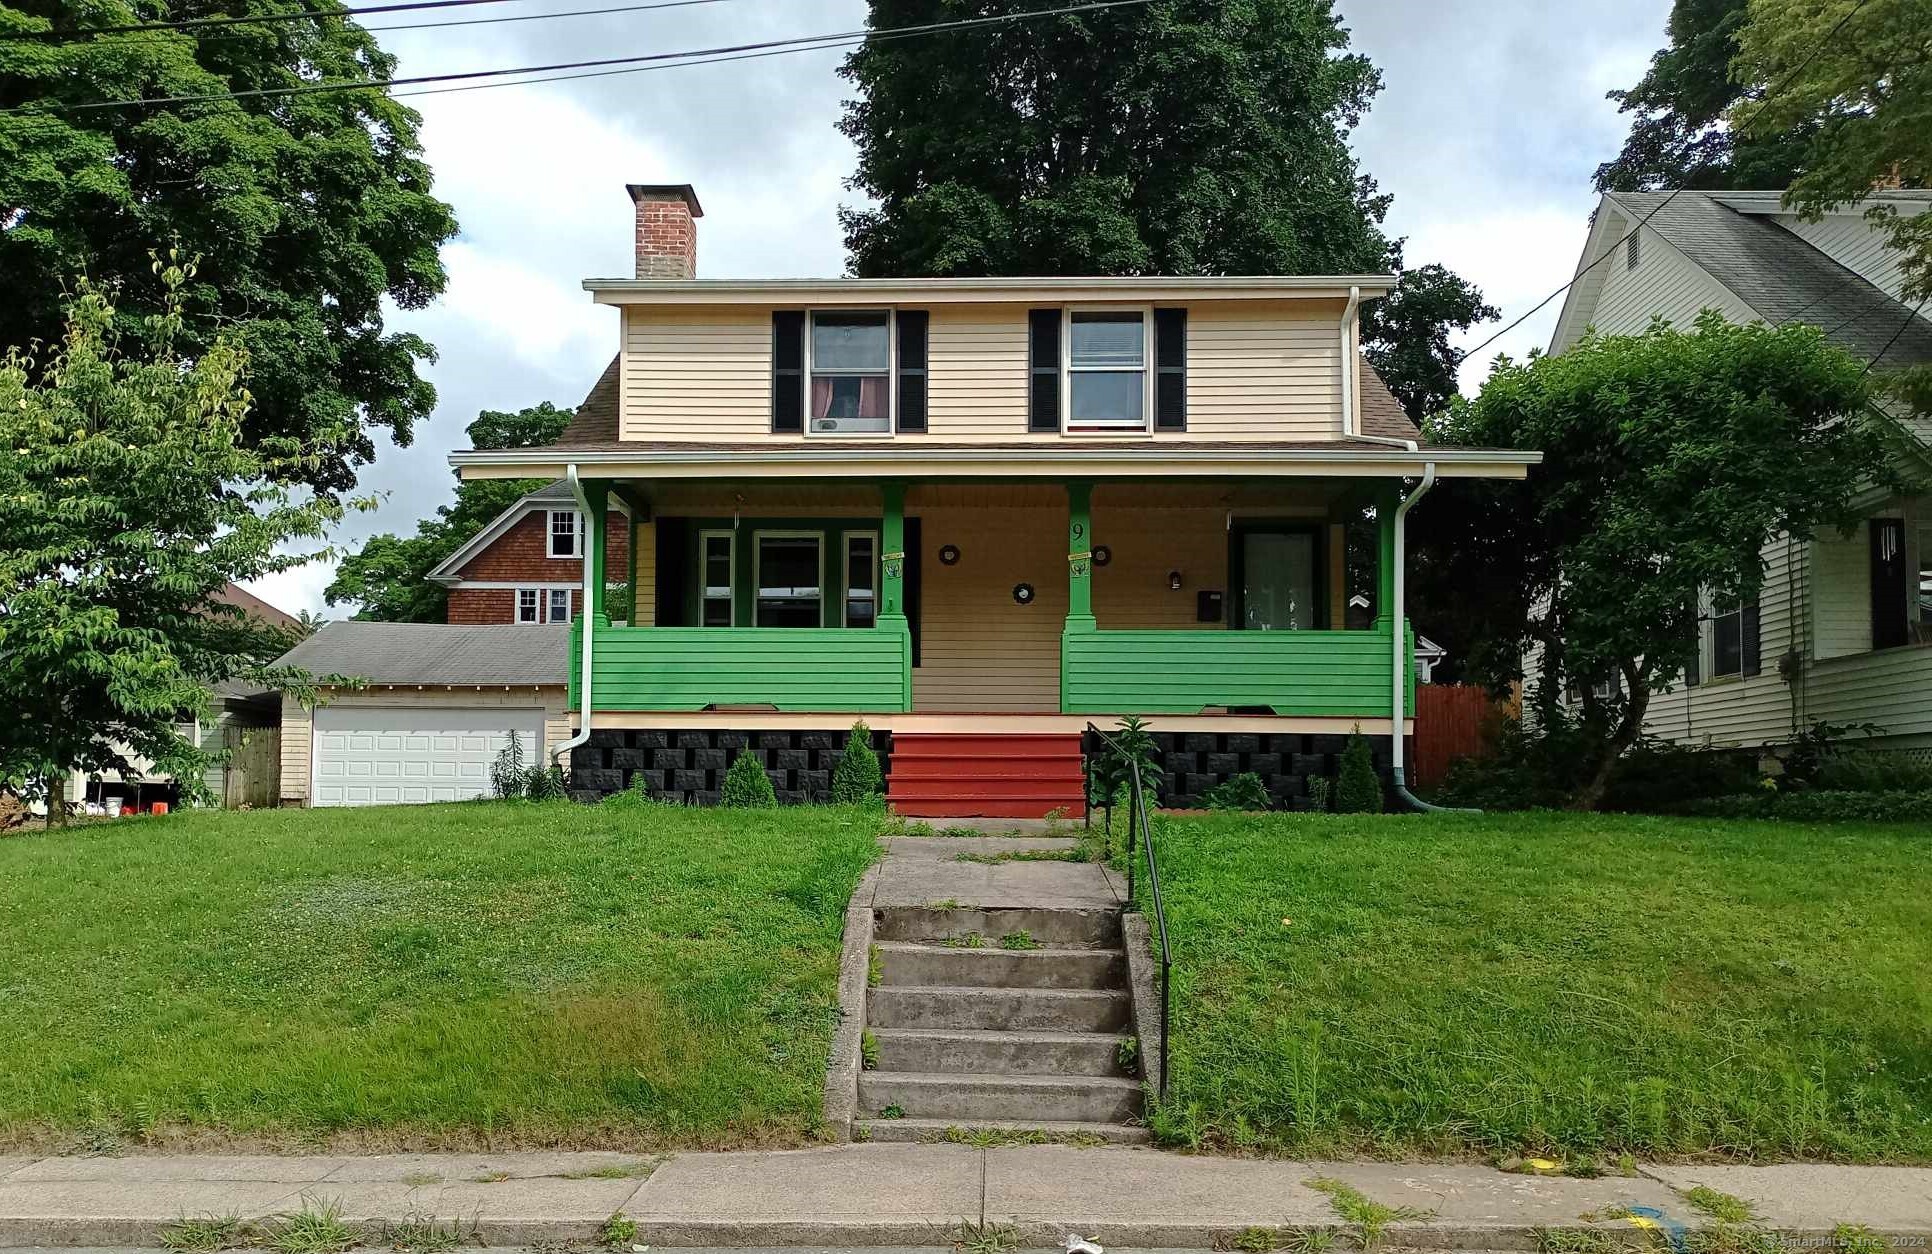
129,499
307,211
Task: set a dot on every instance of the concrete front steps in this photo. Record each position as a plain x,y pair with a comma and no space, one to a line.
1000,1023
966,775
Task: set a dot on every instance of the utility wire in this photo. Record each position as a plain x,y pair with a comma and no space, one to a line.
636,69
201,23
1645,221
195,26
540,17
1910,318
799,43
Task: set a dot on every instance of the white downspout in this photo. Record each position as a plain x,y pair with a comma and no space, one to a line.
590,630
1348,360
1401,660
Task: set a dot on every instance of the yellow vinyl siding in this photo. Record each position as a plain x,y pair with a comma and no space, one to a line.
696,374
979,650
1263,371
977,372
1131,591
644,575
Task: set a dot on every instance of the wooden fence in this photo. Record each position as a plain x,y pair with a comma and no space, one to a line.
1448,725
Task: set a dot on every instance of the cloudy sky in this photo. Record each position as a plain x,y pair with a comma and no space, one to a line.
1490,123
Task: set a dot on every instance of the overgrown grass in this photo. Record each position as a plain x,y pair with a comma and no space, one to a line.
1570,984
434,976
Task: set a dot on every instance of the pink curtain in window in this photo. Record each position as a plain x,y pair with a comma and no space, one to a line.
872,398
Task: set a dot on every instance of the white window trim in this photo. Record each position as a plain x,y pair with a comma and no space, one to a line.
731,550
845,573
891,378
516,607
550,605
576,535
1146,425
757,562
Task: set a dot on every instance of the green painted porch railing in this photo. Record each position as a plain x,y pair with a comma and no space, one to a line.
1315,674
792,668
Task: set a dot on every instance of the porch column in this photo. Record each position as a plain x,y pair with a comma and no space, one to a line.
596,538
1386,501
1080,557
892,581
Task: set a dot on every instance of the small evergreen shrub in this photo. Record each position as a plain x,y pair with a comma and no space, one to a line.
1319,789
746,785
509,773
1239,792
857,778
1358,790
544,783
640,793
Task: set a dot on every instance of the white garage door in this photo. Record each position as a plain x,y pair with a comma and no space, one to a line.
402,756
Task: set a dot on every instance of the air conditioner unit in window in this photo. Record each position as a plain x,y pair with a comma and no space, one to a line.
846,426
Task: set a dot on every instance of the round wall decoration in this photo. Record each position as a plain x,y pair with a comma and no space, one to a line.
949,555
1102,555
1023,594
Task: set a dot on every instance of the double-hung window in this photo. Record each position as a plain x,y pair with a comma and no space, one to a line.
851,373
861,579
529,605
1106,370
543,605
788,575
564,534
718,568
559,609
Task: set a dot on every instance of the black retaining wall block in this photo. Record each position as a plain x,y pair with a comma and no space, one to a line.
689,766
1193,762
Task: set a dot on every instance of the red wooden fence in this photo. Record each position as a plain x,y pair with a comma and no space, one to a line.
1448,725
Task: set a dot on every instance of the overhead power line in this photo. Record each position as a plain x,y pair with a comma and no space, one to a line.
692,56
1665,203
200,23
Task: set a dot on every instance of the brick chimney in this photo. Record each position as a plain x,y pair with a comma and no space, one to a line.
667,230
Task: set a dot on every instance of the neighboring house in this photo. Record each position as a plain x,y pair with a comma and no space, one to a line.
242,723
435,706
1840,630
977,514
527,566
1428,654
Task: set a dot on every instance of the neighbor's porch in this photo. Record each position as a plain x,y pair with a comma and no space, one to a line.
942,605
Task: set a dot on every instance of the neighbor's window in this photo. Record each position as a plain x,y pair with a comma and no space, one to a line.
559,605
1106,370
1925,578
861,580
529,605
717,568
563,533
851,372
1727,641
789,575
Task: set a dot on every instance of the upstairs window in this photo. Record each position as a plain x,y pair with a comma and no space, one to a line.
563,534
1106,370
851,373
529,605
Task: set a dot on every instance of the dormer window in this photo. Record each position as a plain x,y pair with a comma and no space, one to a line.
564,538
851,373
1106,370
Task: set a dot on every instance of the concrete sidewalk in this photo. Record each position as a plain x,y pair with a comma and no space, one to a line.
924,1195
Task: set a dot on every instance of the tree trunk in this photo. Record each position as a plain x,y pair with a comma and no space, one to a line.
1590,796
56,800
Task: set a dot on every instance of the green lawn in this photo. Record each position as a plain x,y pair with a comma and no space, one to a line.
1588,984
441,975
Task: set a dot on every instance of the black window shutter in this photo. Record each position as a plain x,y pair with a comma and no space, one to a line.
1043,396
1170,370
1693,671
1888,583
673,566
1748,638
912,369
788,371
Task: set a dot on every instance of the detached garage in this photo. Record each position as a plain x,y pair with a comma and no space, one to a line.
435,706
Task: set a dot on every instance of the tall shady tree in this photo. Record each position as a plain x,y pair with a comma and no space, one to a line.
1178,137
306,210
128,502
1670,459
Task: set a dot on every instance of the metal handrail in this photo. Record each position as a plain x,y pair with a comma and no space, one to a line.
1137,817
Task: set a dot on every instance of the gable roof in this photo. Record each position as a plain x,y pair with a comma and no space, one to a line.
254,607
1734,239
433,653
557,495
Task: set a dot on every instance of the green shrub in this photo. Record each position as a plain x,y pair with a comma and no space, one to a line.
509,772
1109,776
1872,770
1358,790
857,778
1526,768
1239,792
1817,806
746,784
545,783
1320,788
1657,775
640,793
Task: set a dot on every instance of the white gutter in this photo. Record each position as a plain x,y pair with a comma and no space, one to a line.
1401,660
590,632
1348,360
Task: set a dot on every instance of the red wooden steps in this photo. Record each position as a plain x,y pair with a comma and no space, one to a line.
991,775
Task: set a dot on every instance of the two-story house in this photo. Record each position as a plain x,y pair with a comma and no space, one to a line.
979,513
1841,629
527,566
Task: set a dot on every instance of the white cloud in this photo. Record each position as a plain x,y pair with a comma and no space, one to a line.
293,591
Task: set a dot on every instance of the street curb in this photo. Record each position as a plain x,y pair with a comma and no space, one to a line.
842,1065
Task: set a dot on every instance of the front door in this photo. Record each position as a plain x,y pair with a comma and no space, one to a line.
1278,579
